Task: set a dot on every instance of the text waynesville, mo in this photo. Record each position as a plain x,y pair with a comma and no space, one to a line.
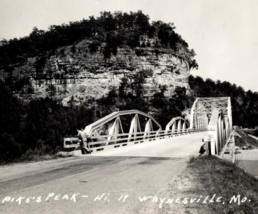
107,197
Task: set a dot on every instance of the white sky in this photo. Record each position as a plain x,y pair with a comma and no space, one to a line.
223,33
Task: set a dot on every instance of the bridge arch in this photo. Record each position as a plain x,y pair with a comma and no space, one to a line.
116,129
177,125
219,129
203,107
212,113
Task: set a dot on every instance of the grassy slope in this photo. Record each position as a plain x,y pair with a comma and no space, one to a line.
245,140
224,179
36,156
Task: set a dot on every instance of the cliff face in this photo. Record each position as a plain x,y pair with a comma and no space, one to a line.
74,73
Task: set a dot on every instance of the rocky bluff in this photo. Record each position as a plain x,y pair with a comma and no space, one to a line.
75,74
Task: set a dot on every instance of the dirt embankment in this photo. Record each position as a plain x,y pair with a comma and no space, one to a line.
237,189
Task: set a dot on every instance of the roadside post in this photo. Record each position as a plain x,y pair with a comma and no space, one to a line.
209,144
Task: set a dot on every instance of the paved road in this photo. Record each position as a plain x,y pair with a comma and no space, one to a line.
105,182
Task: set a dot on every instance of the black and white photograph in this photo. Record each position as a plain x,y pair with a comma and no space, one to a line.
128,107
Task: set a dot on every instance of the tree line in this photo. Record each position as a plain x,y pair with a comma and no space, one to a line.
244,103
114,30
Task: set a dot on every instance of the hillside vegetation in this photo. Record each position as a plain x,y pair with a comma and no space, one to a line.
106,33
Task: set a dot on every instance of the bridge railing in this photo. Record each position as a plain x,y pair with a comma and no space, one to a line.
230,145
101,142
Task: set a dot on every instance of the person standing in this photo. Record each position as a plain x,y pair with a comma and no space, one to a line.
84,145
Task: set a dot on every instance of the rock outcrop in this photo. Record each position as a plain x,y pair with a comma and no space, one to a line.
75,73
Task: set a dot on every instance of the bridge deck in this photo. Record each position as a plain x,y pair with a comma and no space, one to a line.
180,146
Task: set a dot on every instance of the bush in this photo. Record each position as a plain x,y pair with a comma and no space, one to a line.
9,149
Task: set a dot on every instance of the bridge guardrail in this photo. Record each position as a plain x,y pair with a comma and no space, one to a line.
230,146
99,143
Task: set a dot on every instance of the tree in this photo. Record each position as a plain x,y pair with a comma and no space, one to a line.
3,42
123,87
10,111
9,149
51,89
194,64
158,99
137,84
40,64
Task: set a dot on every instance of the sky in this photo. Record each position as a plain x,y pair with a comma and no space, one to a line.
223,33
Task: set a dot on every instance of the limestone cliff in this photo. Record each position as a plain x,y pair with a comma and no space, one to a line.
88,58
74,72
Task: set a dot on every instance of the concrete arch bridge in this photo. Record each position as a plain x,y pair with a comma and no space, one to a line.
123,128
